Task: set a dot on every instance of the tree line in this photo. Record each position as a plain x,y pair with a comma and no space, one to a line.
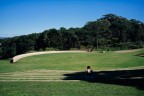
111,32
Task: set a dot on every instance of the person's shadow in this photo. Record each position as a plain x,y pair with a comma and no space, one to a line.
133,78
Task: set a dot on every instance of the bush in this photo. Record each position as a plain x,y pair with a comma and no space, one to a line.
51,49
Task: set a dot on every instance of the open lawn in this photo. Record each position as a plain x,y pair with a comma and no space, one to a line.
66,89
75,61
53,75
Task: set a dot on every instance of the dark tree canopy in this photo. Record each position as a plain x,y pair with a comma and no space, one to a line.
111,32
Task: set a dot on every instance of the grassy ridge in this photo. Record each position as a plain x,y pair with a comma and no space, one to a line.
75,61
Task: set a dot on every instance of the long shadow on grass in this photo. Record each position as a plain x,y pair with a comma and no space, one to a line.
133,78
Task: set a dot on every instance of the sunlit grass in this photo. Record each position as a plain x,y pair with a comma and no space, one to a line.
71,61
75,61
66,89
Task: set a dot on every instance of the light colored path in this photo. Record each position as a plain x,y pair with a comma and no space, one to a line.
16,58
128,51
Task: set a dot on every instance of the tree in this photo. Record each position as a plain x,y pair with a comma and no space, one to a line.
8,48
137,31
42,41
121,29
98,30
54,39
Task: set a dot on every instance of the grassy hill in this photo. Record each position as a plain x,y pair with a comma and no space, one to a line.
40,75
75,61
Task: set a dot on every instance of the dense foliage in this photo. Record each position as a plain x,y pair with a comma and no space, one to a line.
111,32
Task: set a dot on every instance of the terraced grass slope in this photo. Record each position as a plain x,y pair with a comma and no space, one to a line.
54,75
36,75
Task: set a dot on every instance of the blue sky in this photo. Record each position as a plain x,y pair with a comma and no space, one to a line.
22,17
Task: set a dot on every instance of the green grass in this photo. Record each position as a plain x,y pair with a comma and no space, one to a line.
66,89
75,61
70,61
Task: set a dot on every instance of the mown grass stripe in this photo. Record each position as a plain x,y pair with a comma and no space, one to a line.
36,75
39,80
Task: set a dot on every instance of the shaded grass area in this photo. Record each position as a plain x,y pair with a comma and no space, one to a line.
66,89
75,61
134,78
141,55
